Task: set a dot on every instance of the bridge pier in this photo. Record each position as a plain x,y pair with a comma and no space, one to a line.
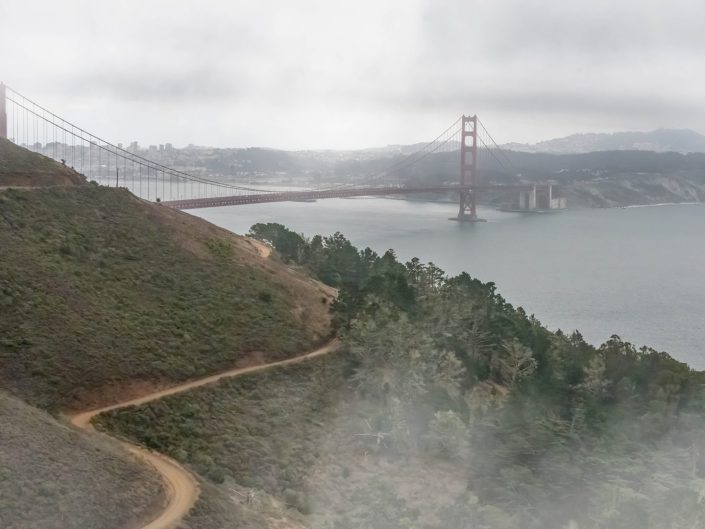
527,199
3,113
468,207
539,198
555,202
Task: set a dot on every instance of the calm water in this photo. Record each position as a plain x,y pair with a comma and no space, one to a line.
638,272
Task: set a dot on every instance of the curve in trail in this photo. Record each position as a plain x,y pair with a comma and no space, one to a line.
182,486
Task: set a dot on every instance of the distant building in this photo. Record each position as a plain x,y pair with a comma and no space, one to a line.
161,146
169,147
134,147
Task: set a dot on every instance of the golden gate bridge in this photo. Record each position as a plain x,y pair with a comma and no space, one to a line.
34,127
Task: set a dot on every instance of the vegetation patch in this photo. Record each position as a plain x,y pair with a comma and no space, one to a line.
448,408
100,291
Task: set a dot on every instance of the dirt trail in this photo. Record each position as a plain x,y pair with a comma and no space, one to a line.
182,487
264,250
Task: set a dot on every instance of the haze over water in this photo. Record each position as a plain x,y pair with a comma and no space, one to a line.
638,272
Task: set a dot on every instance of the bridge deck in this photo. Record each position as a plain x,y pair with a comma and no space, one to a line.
343,192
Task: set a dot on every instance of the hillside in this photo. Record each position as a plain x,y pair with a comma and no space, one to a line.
618,178
54,477
298,434
22,168
104,295
594,179
447,408
661,140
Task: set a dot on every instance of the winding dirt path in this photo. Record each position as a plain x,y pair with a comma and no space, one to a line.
182,486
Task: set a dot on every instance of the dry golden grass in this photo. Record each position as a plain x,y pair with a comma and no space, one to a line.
53,476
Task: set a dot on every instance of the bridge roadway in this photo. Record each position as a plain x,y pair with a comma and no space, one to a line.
342,192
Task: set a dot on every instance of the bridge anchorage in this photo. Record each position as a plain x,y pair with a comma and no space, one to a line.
431,169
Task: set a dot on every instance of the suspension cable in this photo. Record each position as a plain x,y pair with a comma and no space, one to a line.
107,145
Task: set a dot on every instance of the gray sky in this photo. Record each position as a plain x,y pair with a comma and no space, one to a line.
334,74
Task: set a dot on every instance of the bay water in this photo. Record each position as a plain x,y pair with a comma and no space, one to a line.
638,272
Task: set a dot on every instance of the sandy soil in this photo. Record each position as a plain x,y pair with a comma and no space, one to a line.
182,486
263,249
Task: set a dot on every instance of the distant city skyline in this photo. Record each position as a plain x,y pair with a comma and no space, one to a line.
349,75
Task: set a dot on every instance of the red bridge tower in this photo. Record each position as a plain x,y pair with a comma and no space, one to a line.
468,170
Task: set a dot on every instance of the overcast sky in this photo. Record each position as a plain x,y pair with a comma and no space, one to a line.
333,74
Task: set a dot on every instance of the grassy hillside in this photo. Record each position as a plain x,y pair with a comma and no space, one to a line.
298,434
53,477
447,409
103,295
22,168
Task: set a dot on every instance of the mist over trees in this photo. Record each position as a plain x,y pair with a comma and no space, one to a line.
551,431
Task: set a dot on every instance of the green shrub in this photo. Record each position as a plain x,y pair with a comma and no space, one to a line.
96,289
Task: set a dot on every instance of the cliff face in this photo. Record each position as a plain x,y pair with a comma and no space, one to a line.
612,178
636,189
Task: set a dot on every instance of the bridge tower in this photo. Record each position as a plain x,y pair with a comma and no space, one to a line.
468,170
3,112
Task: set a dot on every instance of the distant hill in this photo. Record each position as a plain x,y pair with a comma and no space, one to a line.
103,295
392,150
22,168
661,140
594,170
54,477
593,179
